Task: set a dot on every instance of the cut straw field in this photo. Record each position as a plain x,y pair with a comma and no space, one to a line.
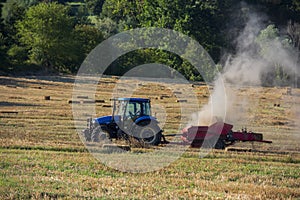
42,156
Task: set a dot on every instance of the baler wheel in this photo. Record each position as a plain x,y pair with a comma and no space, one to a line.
220,144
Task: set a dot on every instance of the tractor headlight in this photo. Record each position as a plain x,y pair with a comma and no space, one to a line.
94,122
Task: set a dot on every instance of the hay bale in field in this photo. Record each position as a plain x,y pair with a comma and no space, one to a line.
181,100
106,106
100,101
164,96
47,98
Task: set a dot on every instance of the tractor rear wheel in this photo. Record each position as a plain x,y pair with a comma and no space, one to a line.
149,134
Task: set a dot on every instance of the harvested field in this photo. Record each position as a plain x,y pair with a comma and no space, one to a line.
42,155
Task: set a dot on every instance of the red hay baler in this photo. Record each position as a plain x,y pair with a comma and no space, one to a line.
219,135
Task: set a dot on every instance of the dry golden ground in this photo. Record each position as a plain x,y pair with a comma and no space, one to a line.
42,155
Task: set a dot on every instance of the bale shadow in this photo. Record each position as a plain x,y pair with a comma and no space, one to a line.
8,104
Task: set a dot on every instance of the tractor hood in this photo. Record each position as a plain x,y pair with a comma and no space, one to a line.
117,118
107,119
143,118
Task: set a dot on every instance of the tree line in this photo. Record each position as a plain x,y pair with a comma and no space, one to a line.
57,35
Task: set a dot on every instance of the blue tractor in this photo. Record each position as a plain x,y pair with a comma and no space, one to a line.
131,118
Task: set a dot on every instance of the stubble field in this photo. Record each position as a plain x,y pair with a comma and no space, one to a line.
42,155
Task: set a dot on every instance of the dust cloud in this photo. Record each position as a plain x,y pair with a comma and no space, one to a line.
250,65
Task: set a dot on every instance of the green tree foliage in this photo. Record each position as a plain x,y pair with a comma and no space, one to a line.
9,7
46,31
266,38
59,35
1,19
279,11
107,26
201,20
122,10
14,11
293,32
87,38
79,11
269,41
3,56
94,6
17,53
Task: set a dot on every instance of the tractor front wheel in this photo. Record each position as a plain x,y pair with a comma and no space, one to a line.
98,135
87,135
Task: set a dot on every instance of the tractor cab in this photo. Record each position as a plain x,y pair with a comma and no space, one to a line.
130,110
131,117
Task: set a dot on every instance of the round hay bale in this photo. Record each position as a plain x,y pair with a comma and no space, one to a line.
181,100
100,101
